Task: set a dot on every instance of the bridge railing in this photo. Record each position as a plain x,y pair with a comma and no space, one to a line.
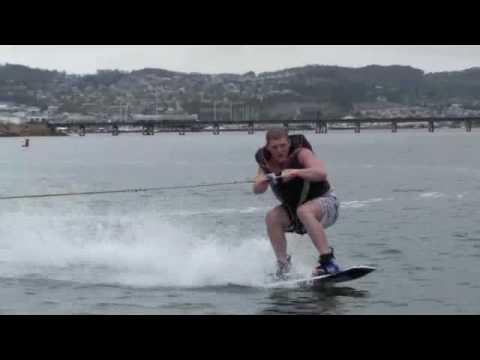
319,125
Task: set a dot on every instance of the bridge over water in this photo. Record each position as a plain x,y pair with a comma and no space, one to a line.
321,126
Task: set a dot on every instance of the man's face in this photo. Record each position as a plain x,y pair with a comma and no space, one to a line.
279,149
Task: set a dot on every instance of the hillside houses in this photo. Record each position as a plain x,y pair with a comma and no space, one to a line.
19,114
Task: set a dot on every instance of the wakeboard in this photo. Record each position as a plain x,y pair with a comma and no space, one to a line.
347,274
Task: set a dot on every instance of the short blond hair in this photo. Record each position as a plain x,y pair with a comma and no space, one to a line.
275,134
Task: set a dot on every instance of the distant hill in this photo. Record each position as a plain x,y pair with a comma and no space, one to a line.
275,94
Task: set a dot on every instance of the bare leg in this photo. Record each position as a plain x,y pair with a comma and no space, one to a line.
310,215
277,222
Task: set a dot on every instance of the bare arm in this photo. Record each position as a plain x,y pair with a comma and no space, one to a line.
314,168
261,182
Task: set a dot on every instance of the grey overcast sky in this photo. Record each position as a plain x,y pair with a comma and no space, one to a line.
83,59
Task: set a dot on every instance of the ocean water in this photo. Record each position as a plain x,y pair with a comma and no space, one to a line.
410,207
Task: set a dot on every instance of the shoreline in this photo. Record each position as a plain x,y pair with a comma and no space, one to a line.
23,130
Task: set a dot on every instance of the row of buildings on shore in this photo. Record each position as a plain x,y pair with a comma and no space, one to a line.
19,114
388,110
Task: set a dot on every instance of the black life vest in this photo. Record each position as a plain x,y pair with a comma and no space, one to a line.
297,191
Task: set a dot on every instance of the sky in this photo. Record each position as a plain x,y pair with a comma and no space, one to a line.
87,59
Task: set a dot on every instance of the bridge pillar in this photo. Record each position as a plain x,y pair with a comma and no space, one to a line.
82,131
251,128
357,127
321,127
216,129
148,130
468,125
115,130
52,129
431,126
394,126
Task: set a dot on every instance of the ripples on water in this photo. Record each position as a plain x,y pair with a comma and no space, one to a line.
409,208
